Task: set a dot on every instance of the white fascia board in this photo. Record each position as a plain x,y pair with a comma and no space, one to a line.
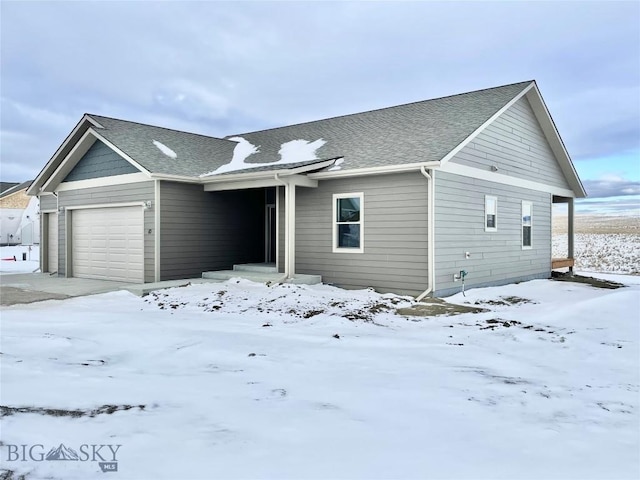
92,121
174,178
241,185
489,176
482,127
103,181
384,170
40,179
272,181
548,126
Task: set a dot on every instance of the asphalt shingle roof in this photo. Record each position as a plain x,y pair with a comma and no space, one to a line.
196,154
415,132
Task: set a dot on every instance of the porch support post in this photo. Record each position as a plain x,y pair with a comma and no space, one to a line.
570,231
291,237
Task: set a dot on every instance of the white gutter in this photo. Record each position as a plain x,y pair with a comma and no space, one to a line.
430,234
357,172
248,175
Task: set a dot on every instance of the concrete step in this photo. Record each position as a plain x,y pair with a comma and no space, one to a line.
261,277
256,267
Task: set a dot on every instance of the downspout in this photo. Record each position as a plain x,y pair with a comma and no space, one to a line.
430,233
286,230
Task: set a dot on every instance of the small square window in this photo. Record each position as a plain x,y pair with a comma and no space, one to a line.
348,230
490,214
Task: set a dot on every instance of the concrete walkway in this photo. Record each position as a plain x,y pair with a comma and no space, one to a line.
36,287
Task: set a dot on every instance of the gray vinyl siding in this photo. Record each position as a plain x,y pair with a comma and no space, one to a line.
48,203
514,143
395,233
496,257
205,231
99,161
111,194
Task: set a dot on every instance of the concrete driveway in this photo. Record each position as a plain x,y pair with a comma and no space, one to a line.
36,287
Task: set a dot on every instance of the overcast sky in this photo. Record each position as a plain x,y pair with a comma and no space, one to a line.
220,68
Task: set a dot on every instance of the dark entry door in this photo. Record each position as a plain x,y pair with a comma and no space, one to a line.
270,233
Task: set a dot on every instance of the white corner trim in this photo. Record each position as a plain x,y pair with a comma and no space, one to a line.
103,181
489,176
479,130
334,222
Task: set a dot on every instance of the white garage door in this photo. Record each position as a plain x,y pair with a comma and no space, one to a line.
52,242
108,243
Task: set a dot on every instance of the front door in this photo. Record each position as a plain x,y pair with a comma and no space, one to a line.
270,234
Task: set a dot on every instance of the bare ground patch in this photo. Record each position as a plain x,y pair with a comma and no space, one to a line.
435,307
594,282
6,411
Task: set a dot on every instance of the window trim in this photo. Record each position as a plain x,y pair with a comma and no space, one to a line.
486,212
530,204
335,223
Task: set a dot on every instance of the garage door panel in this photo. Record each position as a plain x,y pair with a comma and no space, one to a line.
109,243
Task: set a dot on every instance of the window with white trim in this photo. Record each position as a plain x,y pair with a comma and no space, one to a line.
348,222
527,224
490,213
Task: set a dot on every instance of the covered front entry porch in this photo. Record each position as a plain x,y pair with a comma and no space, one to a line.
274,232
569,260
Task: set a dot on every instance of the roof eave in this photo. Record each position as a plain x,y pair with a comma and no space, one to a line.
267,173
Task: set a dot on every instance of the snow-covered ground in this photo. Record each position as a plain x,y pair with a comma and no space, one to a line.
602,243
8,265
602,252
239,380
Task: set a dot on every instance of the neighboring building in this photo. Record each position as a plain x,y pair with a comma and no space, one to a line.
402,199
19,215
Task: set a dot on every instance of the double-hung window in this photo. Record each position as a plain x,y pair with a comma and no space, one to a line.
527,219
348,222
490,214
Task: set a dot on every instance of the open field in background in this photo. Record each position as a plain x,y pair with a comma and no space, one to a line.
602,244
